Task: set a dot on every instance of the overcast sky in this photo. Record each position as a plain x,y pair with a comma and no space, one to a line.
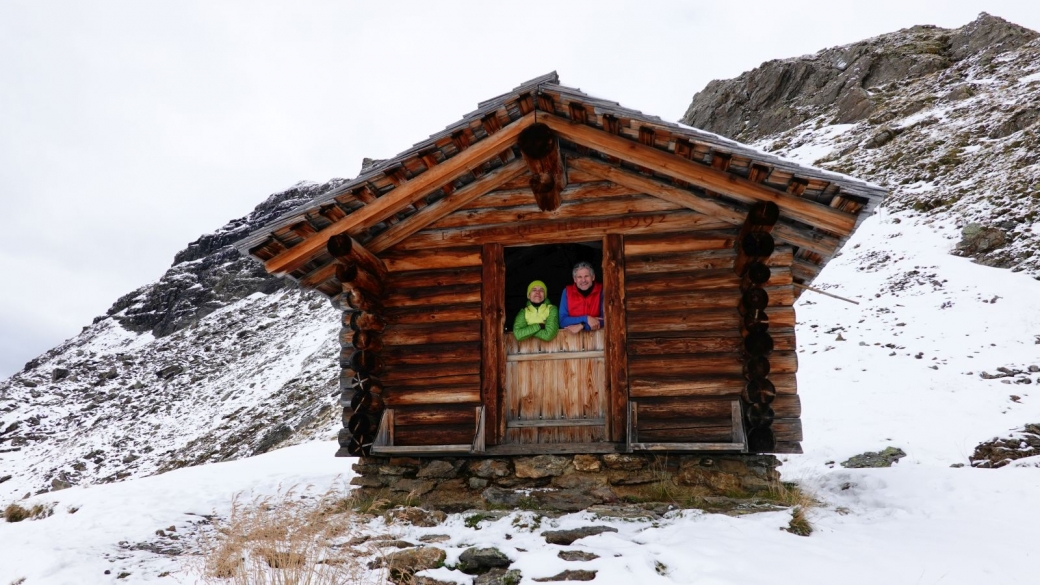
128,129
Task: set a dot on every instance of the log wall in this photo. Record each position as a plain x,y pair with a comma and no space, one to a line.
431,356
685,346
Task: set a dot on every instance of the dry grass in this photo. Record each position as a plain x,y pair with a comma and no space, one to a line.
292,538
801,503
16,512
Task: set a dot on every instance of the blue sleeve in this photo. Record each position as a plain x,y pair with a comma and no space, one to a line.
565,317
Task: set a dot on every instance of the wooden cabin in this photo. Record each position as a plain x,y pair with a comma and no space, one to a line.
702,245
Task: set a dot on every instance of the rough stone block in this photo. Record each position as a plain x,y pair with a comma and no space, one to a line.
488,468
622,461
541,466
587,463
438,469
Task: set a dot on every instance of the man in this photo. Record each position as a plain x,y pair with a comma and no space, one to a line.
581,307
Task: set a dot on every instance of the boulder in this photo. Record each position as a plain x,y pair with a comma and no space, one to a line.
567,537
541,466
476,561
885,458
416,516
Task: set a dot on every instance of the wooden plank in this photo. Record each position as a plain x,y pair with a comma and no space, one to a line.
446,206
423,451
562,355
435,278
651,323
400,197
431,297
705,177
442,314
709,364
576,209
711,299
447,353
415,397
564,422
663,284
555,448
434,435
427,371
428,333
673,243
660,387
688,447
522,196
684,408
434,415
440,381
704,342
699,260
787,429
563,231
441,258
615,323
492,354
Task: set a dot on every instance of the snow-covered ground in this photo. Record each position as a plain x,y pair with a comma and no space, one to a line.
921,521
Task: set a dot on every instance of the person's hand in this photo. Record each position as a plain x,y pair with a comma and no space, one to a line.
594,323
576,328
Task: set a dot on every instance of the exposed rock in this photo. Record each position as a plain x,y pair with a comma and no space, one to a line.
621,461
434,538
783,93
416,516
437,468
567,537
489,468
999,452
58,374
885,458
540,466
564,500
977,239
405,563
570,575
273,438
499,577
577,555
170,371
495,496
480,560
587,463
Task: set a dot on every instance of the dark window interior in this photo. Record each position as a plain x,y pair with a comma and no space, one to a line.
550,263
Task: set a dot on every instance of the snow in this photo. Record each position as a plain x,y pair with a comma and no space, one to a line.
920,521
1029,78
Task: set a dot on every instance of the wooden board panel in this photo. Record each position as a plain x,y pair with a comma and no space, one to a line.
405,436
684,408
556,389
445,353
694,300
395,397
671,243
434,415
686,431
708,364
428,315
426,333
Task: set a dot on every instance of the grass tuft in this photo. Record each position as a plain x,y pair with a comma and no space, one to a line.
15,512
291,538
799,523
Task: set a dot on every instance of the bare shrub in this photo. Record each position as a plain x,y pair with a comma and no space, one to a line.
16,512
291,538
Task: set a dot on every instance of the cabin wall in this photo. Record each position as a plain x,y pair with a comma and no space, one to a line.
685,360
432,341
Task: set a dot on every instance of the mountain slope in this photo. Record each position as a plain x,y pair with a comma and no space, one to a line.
945,118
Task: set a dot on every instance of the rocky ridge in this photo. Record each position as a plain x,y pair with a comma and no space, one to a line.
945,118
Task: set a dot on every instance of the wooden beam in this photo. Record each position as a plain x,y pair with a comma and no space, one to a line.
541,151
705,177
446,206
396,200
563,231
345,249
617,334
731,214
493,367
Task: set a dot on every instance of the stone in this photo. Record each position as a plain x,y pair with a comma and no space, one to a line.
423,580
434,538
570,575
977,239
587,463
577,555
415,487
622,461
477,483
169,371
476,561
58,374
709,477
564,500
626,477
567,537
540,466
488,468
885,458
403,564
579,481
416,516
439,469
499,577
368,481
495,496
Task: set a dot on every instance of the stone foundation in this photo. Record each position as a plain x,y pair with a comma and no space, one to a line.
563,482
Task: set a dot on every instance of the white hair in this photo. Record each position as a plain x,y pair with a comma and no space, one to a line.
581,265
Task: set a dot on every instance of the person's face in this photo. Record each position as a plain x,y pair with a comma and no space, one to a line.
584,278
536,295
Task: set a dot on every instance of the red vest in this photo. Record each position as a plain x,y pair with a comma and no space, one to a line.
579,305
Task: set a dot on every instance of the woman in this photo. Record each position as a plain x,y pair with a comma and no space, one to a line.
539,318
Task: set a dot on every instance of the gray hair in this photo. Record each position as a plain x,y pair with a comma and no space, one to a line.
581,265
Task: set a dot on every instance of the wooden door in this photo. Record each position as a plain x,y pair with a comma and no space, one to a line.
556,391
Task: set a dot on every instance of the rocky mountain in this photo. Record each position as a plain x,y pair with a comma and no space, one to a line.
219,361
946,118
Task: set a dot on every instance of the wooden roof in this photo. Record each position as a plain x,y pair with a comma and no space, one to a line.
699,170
